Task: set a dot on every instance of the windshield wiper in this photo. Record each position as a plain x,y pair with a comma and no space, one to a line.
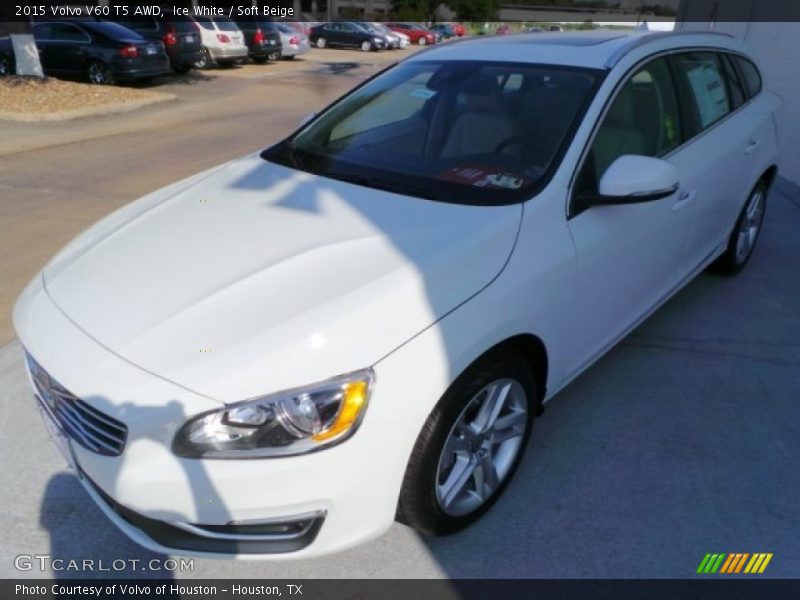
380,184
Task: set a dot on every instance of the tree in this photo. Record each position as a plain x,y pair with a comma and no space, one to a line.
26,56
475,10
415,10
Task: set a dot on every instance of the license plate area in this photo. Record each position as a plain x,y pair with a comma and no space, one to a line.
151,50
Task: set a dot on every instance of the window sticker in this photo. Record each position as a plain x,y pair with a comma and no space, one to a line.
485,177
709,89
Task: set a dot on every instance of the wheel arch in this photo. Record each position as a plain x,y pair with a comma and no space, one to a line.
769,175
532,350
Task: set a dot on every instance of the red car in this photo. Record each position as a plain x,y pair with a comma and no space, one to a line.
417,34
503,30
459,29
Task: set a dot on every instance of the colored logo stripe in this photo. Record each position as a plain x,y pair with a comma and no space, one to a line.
734,563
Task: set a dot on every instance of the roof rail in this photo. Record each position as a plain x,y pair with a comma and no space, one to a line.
637,41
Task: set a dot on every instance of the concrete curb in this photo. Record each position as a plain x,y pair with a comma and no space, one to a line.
92,111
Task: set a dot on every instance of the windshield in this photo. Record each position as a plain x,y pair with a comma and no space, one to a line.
457,131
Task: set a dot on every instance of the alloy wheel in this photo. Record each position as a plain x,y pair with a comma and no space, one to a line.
321,42
750,226
482,446
99,74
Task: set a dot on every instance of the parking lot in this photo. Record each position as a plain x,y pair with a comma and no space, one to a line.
683,440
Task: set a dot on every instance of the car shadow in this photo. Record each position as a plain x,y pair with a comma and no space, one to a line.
113,554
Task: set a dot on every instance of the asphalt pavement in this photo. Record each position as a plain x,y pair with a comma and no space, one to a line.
683,440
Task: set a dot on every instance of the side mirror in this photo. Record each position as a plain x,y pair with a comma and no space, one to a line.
631,179
306,118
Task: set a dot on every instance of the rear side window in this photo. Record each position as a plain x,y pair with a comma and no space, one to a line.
735,86
750,74
707,83
225,24
180,23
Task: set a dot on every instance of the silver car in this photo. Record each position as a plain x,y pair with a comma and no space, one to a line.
293,43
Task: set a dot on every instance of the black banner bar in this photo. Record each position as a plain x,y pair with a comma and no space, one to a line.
348,589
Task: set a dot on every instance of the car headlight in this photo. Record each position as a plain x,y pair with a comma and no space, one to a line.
377,40
291,422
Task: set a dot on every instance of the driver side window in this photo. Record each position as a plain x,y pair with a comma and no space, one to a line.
644,119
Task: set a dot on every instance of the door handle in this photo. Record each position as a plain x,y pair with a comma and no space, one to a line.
751,146
684,199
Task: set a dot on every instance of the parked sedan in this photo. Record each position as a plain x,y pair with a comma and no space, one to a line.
346,35
180,35
262,36
444,29
284,353
99,51
293,43
394,41
415,32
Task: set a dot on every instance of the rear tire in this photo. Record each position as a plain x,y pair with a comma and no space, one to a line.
260,60
745,233
470,445
183,69
98,73
205,62
321,42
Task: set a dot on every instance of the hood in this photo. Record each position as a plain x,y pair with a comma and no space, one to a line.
253,277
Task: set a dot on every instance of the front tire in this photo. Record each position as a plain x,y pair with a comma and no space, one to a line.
6,68
422,41
366,46
470,446
98,73
745,233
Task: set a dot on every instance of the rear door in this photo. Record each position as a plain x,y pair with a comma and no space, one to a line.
66,48
727,141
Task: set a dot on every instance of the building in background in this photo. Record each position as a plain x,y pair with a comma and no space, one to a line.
776,46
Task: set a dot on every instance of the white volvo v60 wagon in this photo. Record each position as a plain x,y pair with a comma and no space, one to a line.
281,355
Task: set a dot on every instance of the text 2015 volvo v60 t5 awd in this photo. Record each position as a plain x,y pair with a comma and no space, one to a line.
281,354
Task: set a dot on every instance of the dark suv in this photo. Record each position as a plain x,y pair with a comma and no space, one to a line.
178,33
262,37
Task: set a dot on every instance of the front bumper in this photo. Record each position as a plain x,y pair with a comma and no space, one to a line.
153,495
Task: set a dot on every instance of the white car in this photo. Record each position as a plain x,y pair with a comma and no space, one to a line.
223,42
293,43
277,356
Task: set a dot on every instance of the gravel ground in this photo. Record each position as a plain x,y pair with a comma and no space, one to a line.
29,95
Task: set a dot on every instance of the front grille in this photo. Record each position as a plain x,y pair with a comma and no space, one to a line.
89,427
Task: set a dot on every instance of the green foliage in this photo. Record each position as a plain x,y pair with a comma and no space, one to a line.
475,10
414,10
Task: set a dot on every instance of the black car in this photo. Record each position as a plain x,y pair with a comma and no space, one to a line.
179,34
262,37
346,35
100,51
